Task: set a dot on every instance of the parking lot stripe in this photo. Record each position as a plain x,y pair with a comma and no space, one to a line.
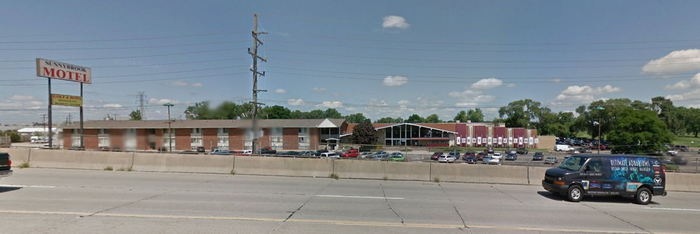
26,186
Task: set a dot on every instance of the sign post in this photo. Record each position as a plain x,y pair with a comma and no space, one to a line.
64,71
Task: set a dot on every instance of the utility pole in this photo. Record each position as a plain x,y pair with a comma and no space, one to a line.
254,53
170,128
142,109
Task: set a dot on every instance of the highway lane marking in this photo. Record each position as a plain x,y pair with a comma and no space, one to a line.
672,209
27,186
366,197
319,221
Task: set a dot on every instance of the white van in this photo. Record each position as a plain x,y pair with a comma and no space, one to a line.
563,148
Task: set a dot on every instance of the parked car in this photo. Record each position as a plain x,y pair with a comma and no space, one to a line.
380,155
489,150
522,151
492,161
307,154
5,165
268,150
499,156
447,158
330,155
470,159
288,153
221,152
511,157
351,153
672,152
435,156
538,156
584,175
551,160
455,154
366,155
481,155
397,156
319,152
563,148
469,154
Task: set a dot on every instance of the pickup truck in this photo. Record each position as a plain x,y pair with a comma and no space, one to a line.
5,165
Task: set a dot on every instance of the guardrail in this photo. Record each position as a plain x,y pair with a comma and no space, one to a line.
305,167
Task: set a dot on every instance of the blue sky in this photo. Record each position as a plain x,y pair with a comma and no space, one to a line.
382,58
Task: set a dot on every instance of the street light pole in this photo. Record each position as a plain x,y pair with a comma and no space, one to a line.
600,122
170,129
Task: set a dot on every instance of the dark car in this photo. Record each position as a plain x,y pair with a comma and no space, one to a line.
469,154
481,155
521,151
455,154
268,150
640,177
538,156
435,156
489,150
511,157
5,165
470,159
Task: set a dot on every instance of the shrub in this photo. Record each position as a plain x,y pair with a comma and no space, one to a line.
109,168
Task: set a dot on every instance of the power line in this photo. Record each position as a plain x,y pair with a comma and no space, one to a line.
138,65
113,48
201,76
129,57
119,39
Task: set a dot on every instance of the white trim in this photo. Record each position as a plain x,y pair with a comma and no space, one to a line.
327,124
417,125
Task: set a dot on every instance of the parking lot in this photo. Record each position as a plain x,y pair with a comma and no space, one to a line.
80,201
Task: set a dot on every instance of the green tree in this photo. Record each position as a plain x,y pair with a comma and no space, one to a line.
521,113
434,118
200,110
277,112
475,115
390,120
639,131
332,113
364,133
135,115
461,117
692,120
356,118
415,118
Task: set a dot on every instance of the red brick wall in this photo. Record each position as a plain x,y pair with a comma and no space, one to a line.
159,138
315,138
236,138
116,138
265,139
141,139
182,139
67,140
290,138
90,138
209,138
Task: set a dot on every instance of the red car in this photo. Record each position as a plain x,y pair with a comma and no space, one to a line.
351,153
480,156
435,156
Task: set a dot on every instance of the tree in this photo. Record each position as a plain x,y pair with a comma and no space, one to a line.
356,118
390,120
434,118
200,110
415,118
135,115
520,113
277,112
461,117
332,113
364,133
639,131
692,120
475,115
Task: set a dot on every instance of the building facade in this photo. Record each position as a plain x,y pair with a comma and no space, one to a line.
182,135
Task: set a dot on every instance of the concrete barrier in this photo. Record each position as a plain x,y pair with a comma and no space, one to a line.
80,159
17,155
479,173
407,171
247,165
183,163
536,175
359,169
683,182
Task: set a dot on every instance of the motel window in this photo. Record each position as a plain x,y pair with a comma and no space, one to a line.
196,131
222,131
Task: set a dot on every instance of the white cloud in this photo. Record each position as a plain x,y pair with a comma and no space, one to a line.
330,104
556,80
157,101
296,102
393,21
487,83
181,83
576,94
678,61
112,105
317,89
395,80
685,84
691,95
21,97
197,84
280,91
403,102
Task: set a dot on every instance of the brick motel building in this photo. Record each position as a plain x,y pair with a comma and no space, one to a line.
283,134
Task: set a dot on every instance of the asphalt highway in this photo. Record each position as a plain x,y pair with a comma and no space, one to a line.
82,201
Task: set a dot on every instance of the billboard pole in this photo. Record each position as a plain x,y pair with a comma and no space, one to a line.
81,118
50,122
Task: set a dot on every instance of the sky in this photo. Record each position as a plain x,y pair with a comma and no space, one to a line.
380,58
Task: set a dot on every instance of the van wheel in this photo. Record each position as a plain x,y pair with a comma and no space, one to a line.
574,194
643,196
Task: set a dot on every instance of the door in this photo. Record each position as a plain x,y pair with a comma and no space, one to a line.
595,180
